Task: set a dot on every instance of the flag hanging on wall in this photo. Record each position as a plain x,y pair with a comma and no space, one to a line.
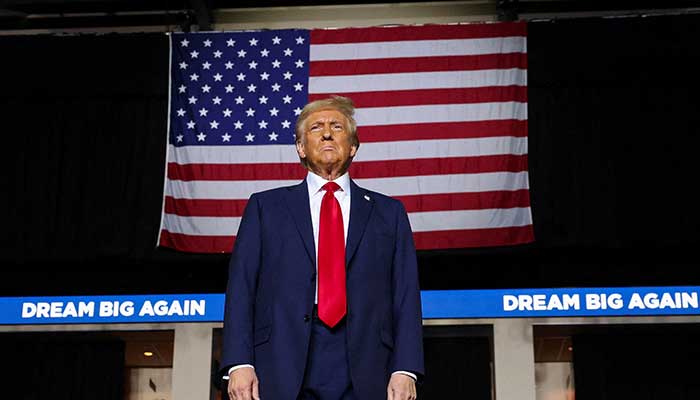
441,113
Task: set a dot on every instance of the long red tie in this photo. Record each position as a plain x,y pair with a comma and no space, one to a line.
331,259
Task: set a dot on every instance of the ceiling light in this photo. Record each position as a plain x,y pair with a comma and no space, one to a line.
148,353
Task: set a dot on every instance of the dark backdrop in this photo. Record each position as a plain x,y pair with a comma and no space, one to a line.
613,121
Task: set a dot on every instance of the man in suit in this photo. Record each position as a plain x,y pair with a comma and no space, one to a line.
322,299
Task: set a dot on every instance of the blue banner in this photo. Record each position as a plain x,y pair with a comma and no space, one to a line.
437,304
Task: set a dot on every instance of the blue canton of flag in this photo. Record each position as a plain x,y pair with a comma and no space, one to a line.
237,88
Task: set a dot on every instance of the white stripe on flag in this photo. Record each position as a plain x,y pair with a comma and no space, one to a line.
222,190
417,48
202,226
420,221
454,183
469,219
441,113
417,80
373,151
401,186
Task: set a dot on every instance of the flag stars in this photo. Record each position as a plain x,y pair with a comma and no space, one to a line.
274,111
179,138
207,43
194,54
239,100
286,99
264,52
194,77
183,65
264,76
190,125
180,112
241,53
238,125
182,88
299,63
206,65
273,136
253,42
192,100
229,65
229,88
252,65
226,137
249,137
297,111
287,75
276,40
262,124
288,51
216,100
203,112
184,43
201,137
263,99
240,76
300,40
251,88
217,54
298,87
230,43
250,112
276,87
214,124
206,89
217,77
227,113
276,64
286,124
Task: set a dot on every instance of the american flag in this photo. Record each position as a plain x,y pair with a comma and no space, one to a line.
441,112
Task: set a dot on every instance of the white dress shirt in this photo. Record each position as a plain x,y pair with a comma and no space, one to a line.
315,183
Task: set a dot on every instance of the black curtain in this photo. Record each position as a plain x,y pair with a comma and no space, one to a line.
612,136
61,366
637,363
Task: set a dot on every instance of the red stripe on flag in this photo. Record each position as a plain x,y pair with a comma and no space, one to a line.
204,207
438,166
428,32
423,240
358,170
414,203
197,244
474,237
487,94
466,201
442,130
418,64
235,172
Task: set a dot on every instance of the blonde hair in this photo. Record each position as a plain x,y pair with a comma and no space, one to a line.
339,103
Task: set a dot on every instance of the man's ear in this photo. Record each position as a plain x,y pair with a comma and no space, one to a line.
300,149
353,151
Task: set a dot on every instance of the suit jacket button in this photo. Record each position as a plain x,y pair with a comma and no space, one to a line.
307,318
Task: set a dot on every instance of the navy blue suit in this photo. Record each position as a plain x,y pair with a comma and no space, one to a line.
271,287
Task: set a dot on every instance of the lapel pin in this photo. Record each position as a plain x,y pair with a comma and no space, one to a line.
366,197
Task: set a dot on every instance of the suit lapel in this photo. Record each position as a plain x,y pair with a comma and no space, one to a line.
297,200
360,208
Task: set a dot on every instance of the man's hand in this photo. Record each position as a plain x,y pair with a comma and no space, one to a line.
243,384
401,387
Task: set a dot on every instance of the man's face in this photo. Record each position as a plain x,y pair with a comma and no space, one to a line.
325,142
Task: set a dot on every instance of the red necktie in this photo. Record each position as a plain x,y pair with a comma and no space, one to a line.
331,259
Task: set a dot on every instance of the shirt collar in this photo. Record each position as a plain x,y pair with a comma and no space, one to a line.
315,182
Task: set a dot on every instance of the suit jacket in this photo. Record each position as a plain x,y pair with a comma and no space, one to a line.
271,288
